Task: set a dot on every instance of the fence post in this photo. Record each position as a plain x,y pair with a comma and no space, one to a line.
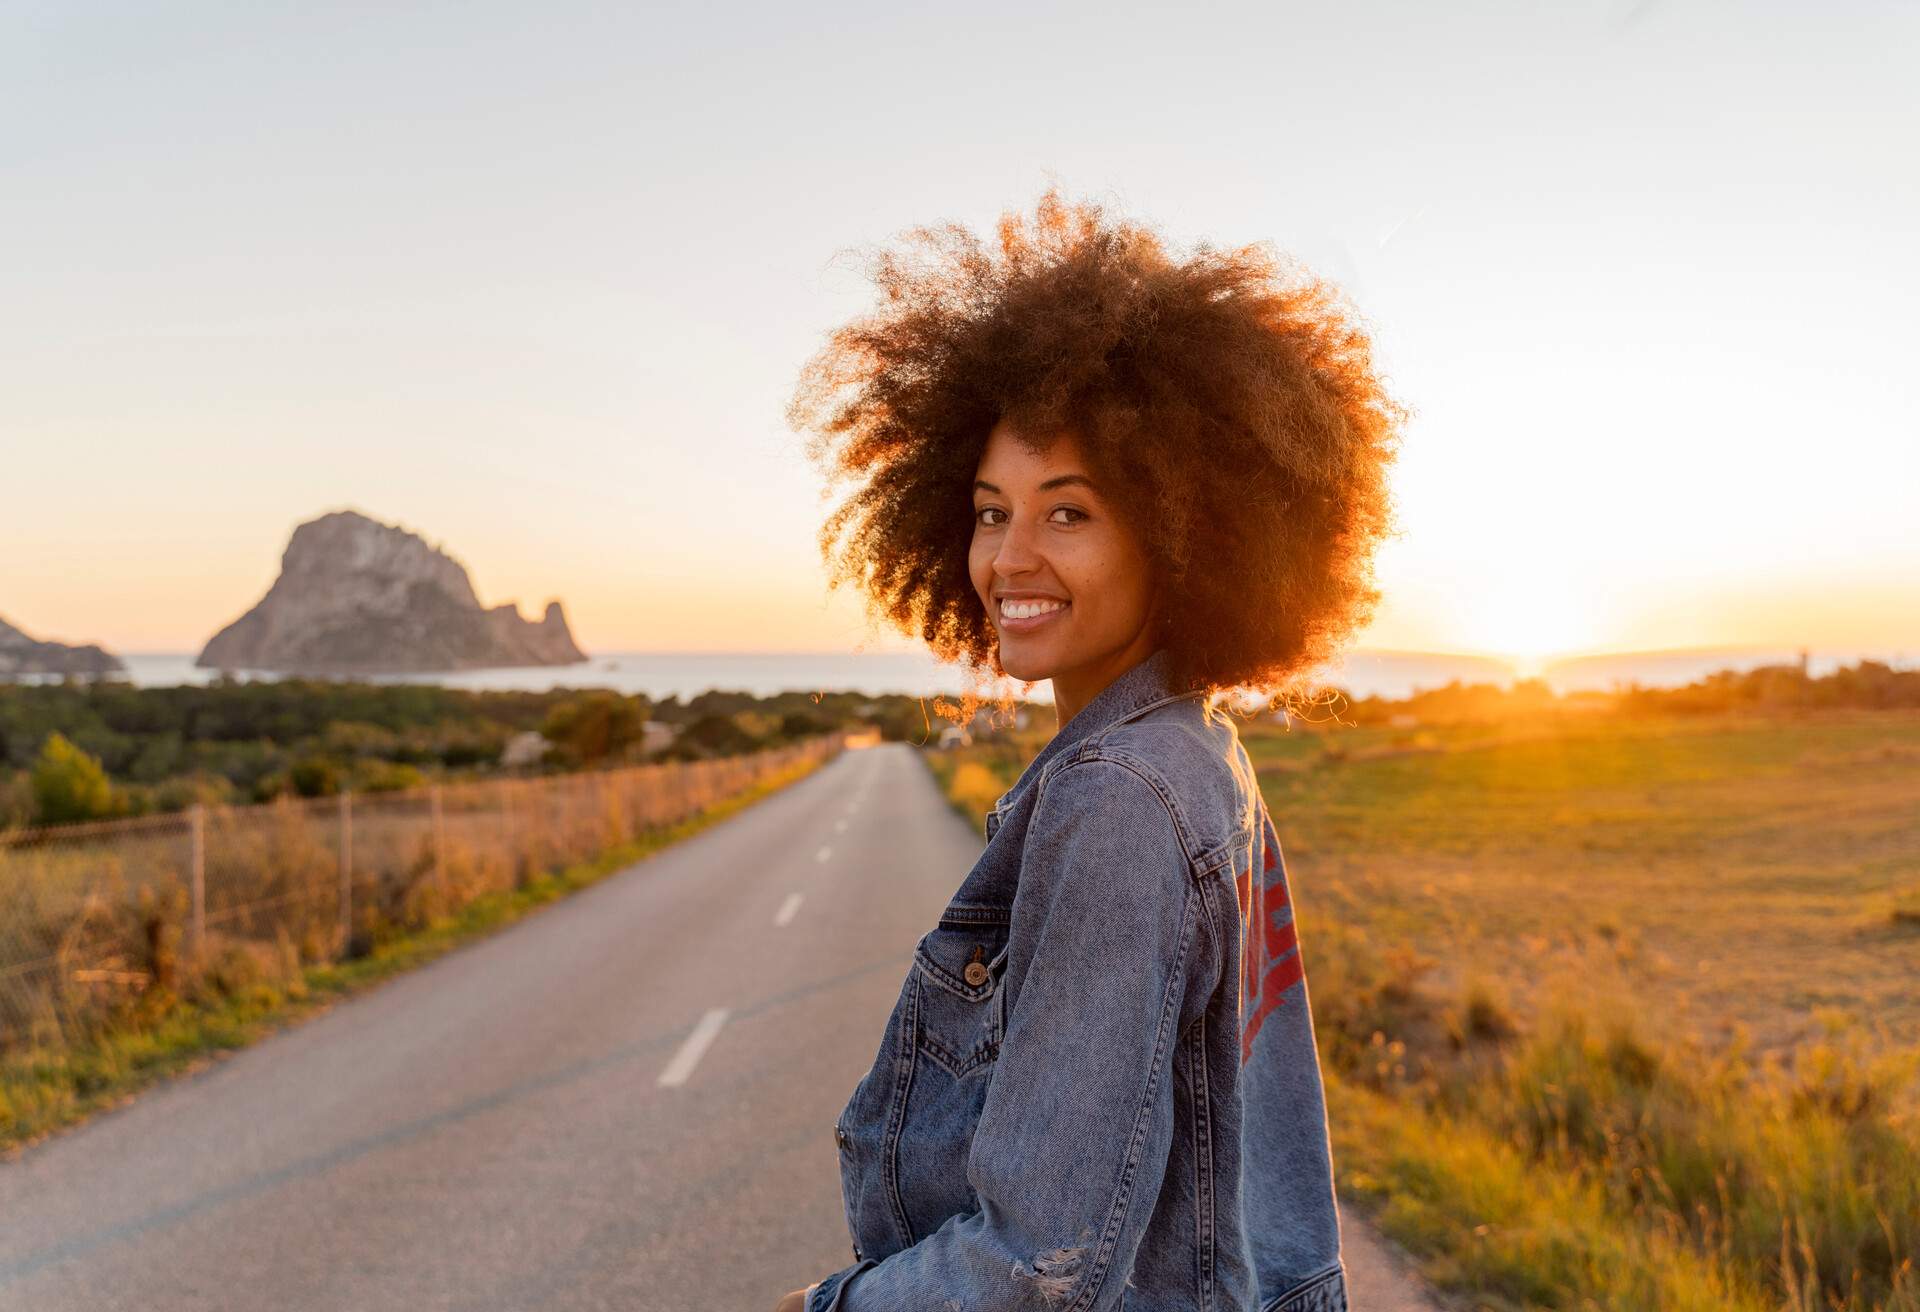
439,843
346,871
513,837
197,866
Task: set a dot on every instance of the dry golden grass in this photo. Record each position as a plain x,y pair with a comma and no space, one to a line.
1615,1010
1747,871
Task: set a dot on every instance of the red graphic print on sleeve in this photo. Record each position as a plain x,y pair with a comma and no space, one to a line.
1269,953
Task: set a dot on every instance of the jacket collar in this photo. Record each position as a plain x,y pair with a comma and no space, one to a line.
1134,692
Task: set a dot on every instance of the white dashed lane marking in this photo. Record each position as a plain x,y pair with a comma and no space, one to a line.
690,1051
787,909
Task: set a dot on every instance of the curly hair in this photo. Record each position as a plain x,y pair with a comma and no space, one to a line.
1229,398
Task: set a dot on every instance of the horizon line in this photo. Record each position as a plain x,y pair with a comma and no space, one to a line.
1896,652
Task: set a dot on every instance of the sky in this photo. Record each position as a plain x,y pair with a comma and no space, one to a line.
536,282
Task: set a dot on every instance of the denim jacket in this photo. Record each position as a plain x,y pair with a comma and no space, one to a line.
1098,1089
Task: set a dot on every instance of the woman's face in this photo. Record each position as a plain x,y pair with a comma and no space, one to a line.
1046,539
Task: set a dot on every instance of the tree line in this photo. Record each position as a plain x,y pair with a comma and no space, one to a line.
94,749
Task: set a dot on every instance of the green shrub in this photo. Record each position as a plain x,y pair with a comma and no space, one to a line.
70,785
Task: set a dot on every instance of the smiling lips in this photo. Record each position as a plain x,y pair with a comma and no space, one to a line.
1024,614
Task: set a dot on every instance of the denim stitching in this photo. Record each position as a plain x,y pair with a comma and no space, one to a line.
1325,1292
904,1061
952,1063
1151,776
1075,752
1220,857
1118,754
999,1013
972,915
833,1288
959,1064
946,979
1203,1152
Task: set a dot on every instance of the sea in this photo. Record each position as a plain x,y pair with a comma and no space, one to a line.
1363,672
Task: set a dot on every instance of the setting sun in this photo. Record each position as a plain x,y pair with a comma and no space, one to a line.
1528,618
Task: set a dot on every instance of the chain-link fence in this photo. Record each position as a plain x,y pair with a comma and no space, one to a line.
94,915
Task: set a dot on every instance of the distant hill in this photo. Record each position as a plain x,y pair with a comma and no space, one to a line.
1384,672
1670,668
1387,673
20,654
356,596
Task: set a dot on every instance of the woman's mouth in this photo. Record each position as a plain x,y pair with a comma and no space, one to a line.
1024,616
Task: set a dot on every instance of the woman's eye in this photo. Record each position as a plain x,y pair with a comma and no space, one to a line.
979,516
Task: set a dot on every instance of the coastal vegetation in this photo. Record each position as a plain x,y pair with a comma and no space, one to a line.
89,750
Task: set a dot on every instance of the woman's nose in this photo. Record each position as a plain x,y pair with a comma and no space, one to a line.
1016,554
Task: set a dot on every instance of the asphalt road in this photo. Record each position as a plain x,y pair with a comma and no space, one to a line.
623,1102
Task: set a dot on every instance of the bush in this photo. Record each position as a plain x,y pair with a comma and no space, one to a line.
389,777
315,776
69,785
16,798
710,735
202,787
594,726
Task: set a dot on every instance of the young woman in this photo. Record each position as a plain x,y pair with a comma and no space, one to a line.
1148,480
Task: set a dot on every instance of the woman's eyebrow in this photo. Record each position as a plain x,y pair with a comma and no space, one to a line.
1058,480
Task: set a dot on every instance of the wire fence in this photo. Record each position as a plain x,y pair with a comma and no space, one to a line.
94,916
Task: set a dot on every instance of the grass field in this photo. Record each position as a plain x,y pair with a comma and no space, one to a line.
1762,870
1615,1012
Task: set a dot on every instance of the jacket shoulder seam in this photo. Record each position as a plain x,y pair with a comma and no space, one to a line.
1090,754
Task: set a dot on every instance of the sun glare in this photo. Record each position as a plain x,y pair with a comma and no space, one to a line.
1530,622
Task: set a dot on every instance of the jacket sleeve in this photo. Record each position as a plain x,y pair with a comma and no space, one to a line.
1072,1142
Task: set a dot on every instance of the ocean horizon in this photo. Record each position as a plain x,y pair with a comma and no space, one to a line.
1363,672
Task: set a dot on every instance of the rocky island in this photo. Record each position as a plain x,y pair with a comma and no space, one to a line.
356,596
21,655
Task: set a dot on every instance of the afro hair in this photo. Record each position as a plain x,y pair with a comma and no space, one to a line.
1229,395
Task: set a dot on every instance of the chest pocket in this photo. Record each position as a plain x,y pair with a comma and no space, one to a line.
958,966
956,983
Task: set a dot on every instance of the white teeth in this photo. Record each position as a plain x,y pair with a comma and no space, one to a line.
1021,610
